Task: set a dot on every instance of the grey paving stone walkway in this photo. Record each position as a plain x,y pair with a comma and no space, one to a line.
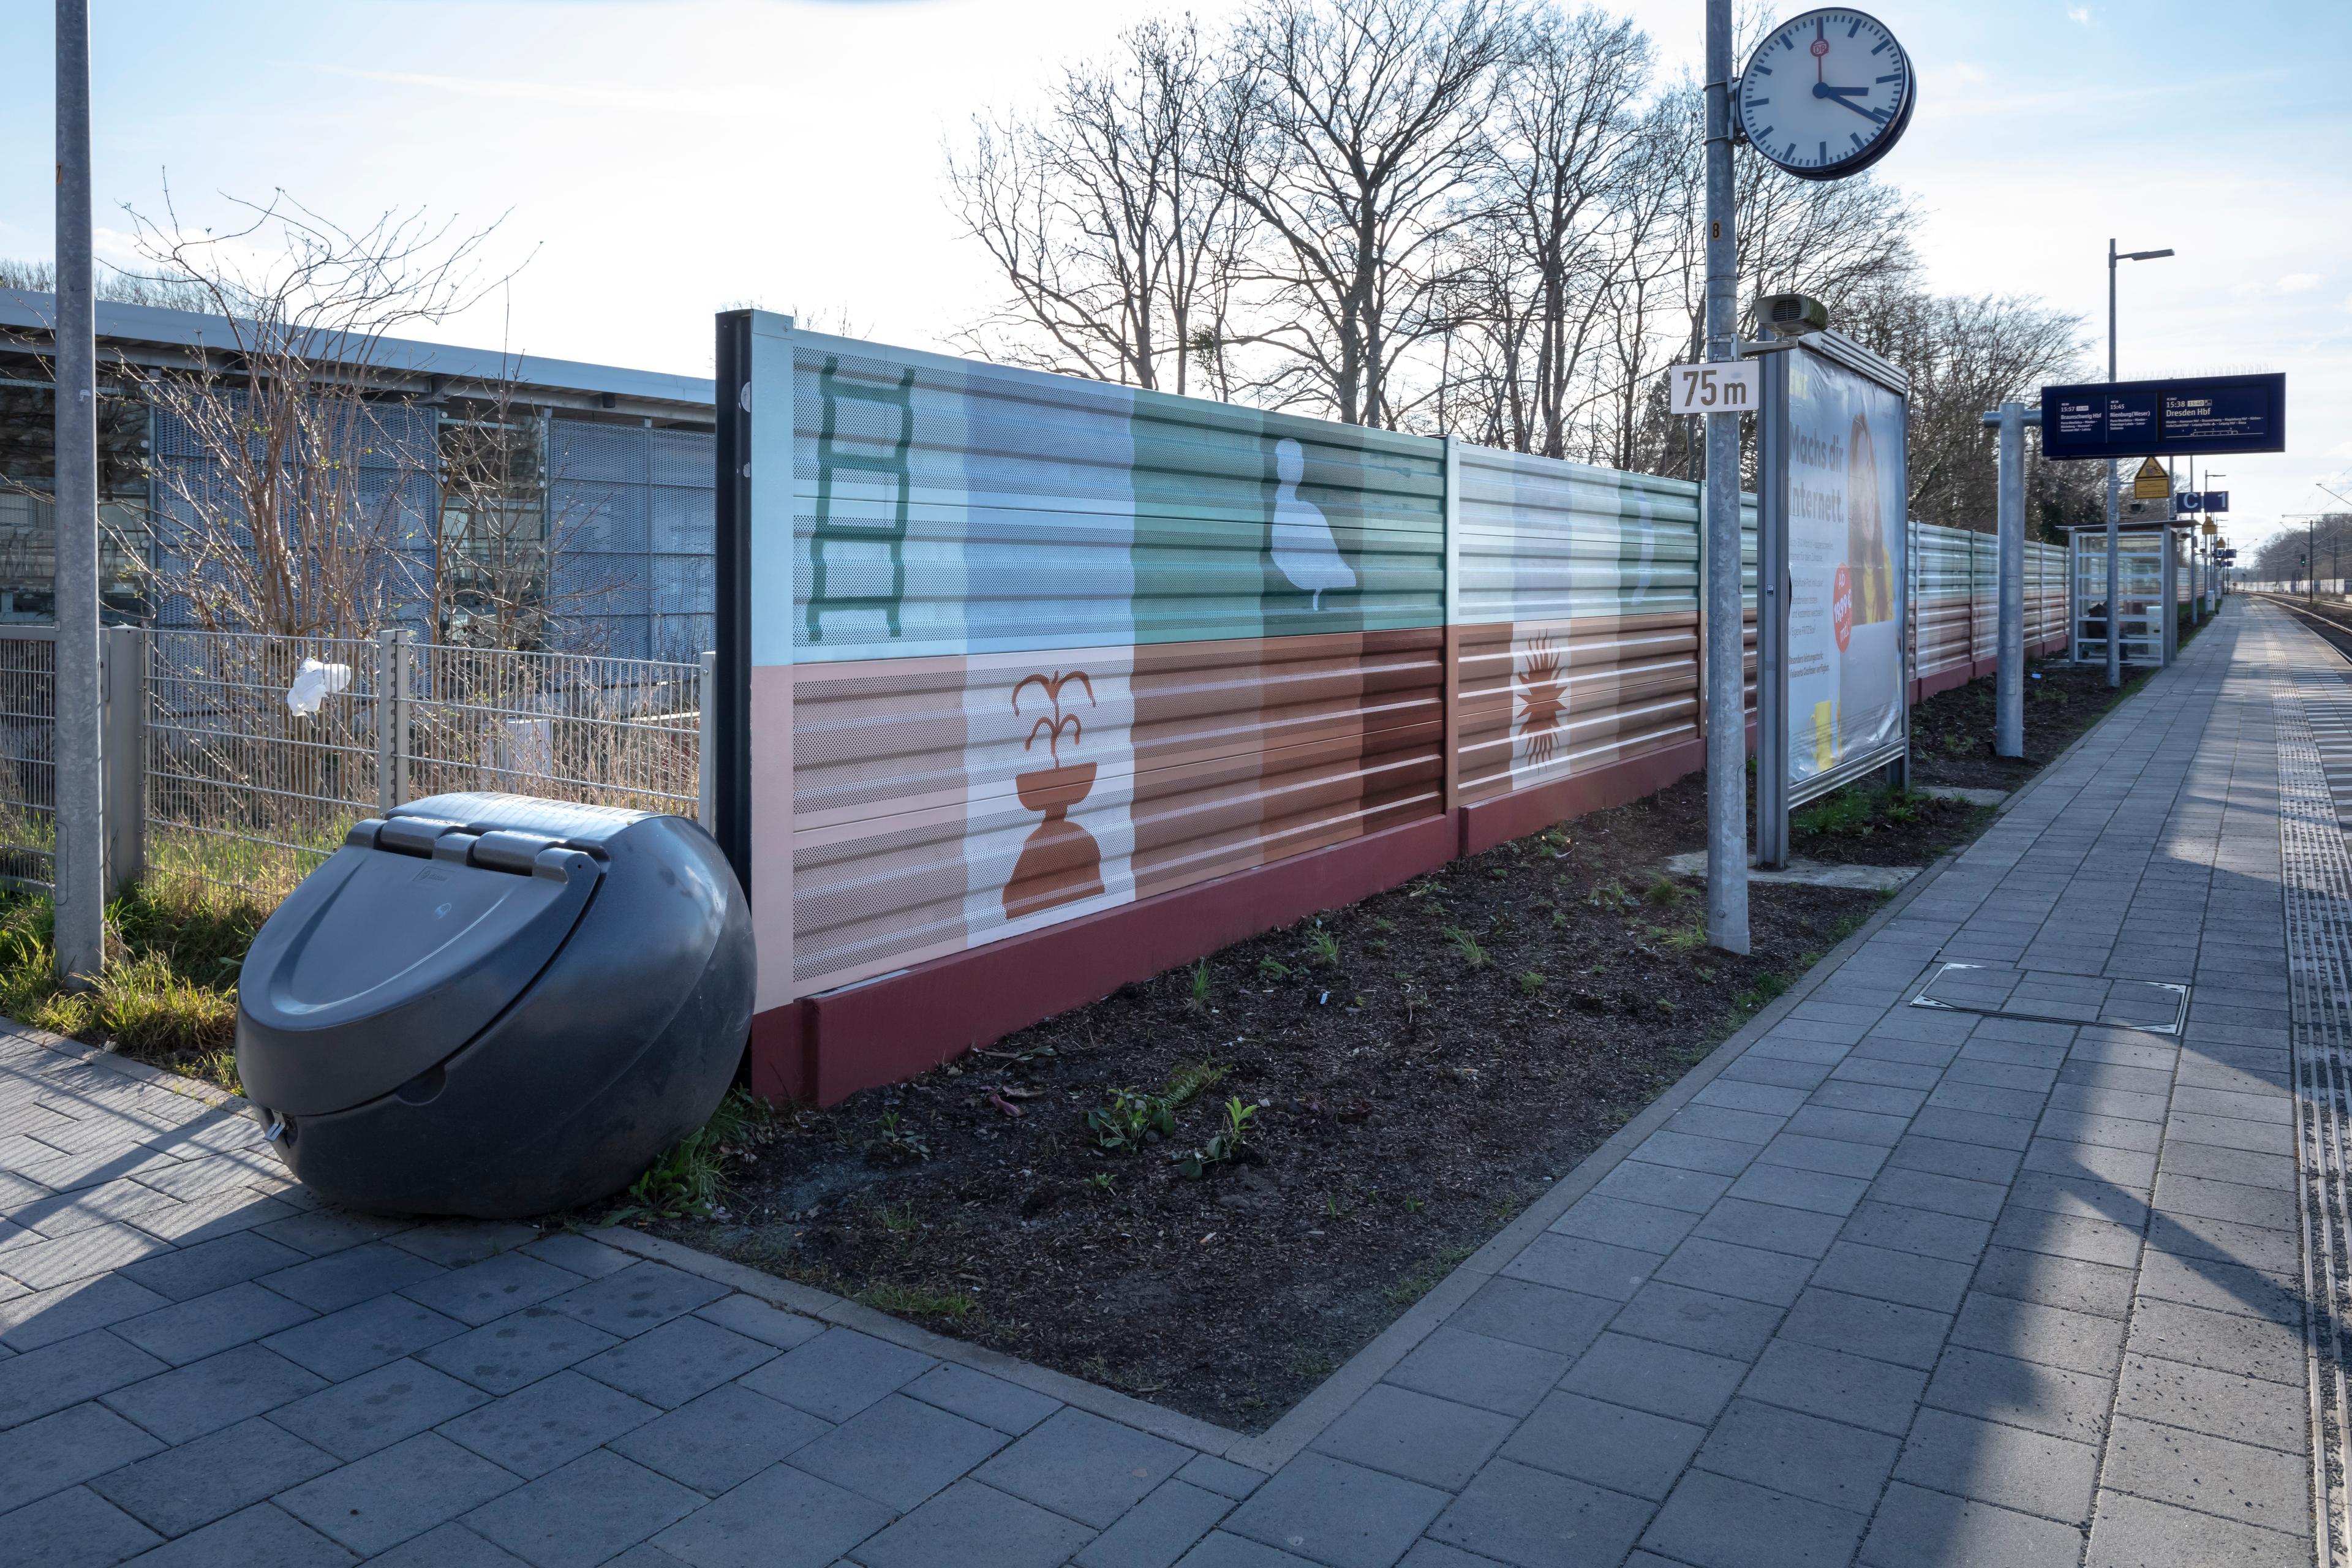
1876,1284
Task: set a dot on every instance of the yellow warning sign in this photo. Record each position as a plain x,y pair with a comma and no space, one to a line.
2211,529
2151,482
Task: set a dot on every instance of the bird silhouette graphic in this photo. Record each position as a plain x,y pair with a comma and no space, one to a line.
1303,546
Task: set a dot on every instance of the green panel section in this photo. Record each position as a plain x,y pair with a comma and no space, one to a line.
1202,479
1252,524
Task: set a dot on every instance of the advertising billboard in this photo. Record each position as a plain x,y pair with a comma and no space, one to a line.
1845,568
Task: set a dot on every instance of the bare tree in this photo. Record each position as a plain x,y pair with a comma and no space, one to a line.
113,285
2306,550
1964,354
1115,242
1363,130
295,481
1568,213
1481,216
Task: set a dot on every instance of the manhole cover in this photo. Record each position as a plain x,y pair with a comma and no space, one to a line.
2049,998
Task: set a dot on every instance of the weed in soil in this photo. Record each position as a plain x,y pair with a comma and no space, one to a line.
1952,732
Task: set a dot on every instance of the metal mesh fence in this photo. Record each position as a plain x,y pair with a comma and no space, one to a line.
27,774
608,731
242,791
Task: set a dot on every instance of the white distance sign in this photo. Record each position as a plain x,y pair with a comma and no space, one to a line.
1846,490
1731,387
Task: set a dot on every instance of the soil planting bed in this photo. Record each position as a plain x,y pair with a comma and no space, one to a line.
1952,732
1413,1069
1416,1067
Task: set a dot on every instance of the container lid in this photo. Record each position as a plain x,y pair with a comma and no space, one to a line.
396,953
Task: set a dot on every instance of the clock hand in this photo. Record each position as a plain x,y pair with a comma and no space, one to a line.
1823,89
1876,116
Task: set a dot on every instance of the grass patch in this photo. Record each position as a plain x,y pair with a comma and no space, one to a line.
914,1301
167,992
690,1178
1856,811
1426,1276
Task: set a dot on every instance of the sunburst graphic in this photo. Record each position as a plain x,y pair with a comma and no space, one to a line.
1543,701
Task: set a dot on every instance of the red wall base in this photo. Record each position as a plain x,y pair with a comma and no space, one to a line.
1488,823
1925,687
824,1048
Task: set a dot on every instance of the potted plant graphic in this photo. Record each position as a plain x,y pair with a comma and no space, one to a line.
1061,862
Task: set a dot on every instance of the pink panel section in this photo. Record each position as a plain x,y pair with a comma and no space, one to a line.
771,834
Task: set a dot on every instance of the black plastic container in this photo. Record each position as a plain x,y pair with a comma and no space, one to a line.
494,1006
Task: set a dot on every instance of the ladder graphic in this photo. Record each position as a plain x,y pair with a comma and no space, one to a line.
860,458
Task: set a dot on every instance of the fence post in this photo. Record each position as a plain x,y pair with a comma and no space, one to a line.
403,711
122,753
706,753
395,657
1449,642
387,647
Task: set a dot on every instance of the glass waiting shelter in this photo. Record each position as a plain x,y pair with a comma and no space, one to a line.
2139,569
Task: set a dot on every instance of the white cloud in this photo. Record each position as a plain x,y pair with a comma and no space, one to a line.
2296,282
603,96
2079,15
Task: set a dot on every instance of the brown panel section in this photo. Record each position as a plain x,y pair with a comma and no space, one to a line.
1250,749
1597,689
898,1025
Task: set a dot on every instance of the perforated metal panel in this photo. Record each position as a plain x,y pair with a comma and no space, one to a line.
394,501
630,525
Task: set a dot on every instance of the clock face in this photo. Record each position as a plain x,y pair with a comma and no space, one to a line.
1826,94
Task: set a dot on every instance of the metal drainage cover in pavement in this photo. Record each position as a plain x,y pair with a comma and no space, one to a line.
2048,997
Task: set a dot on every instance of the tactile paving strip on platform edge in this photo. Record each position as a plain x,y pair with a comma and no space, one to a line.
2330,718
2316,878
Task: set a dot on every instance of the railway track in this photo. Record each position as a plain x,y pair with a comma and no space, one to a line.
2333,626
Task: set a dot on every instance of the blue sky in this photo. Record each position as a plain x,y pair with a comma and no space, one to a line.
660,159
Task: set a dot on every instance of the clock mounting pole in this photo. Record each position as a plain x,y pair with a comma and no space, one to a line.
1723,656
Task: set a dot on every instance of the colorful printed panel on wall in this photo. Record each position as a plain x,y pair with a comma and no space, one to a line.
1579,613
1027,648
1050,645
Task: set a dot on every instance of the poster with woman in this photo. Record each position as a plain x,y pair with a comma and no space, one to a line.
1846,490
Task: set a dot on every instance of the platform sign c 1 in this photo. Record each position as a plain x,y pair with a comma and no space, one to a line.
1831,695
2190,500
2217,500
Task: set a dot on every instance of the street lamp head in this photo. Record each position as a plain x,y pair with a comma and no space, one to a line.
2143,255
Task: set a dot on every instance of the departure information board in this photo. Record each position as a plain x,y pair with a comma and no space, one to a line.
2208,413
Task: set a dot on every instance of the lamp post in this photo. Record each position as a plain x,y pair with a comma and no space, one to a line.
1727,720
2213,575
79,868
2115,520
2306,573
